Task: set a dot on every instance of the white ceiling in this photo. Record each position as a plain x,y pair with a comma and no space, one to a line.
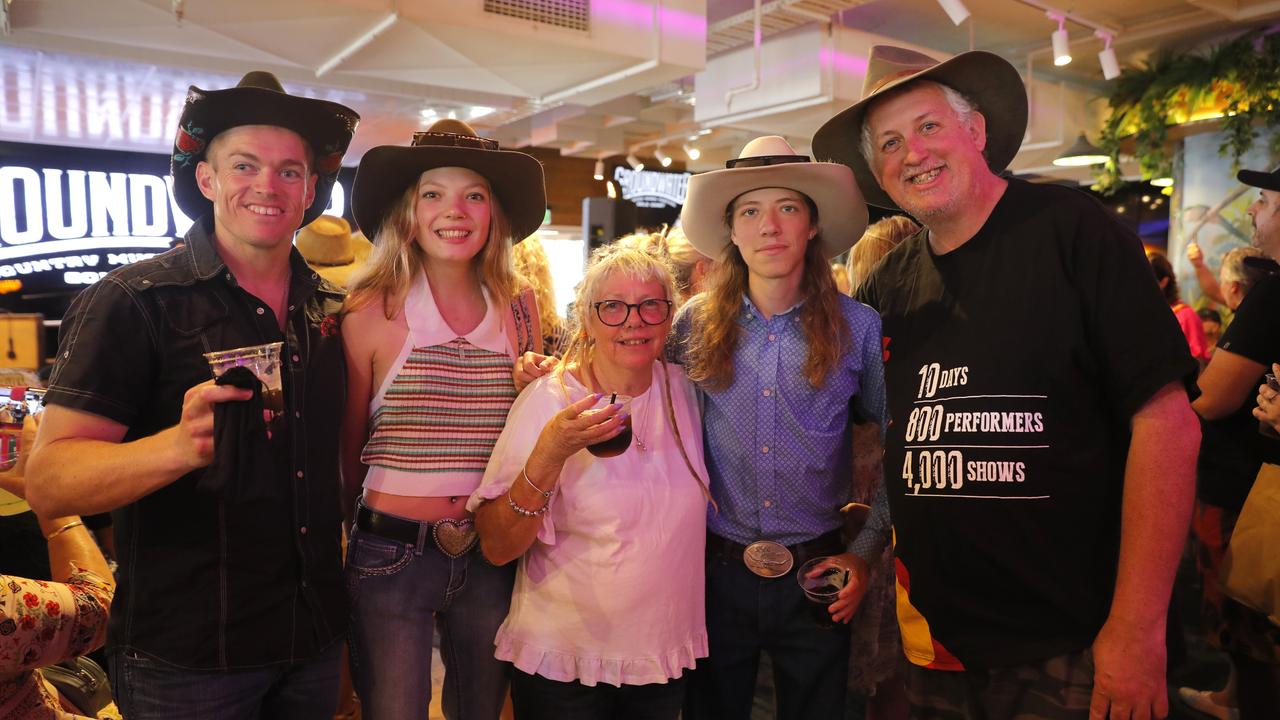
109,73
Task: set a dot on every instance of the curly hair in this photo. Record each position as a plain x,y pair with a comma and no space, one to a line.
709,360
397,257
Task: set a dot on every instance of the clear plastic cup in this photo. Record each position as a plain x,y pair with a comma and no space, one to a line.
823,588
619,443
264,361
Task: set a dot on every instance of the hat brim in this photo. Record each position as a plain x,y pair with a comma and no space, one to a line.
986,78
1264,180
341,275
842,212
386,171
327,127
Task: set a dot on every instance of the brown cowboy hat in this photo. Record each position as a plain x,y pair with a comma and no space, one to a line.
387,170
259,99
987,79
331,249
771,162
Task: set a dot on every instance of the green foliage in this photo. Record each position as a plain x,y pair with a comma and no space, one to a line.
1241,78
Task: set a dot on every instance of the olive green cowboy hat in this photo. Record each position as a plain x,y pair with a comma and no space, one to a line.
259,99
387,170
985,78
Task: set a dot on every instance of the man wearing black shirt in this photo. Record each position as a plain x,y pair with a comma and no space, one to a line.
1229,384
231,601
1036,383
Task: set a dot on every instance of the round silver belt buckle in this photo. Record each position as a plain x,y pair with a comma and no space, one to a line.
767,559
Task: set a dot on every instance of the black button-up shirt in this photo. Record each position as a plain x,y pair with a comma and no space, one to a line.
206,581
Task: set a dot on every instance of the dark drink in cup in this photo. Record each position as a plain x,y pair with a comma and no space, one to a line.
615,445
823,588
264,361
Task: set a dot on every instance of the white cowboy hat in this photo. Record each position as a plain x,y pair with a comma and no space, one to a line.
771,162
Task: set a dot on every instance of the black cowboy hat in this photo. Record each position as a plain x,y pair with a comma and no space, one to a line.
387,170
259,99
1259,179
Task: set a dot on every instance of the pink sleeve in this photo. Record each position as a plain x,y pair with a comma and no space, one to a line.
1193,328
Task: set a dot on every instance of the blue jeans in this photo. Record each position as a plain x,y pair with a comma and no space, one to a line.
398,592
747,614
534,697
148,689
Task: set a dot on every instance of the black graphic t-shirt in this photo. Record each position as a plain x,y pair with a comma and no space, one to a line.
1014,365
1232,449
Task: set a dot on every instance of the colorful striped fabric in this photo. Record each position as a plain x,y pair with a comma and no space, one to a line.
444,410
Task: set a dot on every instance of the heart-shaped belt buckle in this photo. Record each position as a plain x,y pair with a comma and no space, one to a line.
455,538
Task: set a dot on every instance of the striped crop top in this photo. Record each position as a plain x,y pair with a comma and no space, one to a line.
435,420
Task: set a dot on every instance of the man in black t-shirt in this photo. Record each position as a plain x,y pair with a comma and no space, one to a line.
1037,385
1229,385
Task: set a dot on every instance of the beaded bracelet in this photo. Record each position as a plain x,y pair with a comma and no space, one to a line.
544,493
526,512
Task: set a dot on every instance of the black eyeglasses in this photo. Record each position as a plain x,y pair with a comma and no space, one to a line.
426,137
763,160
615,312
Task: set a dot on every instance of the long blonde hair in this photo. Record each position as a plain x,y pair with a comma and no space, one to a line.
397,258
879,238
709,359
533,268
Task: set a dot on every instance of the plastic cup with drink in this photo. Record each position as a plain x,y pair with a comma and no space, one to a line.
264,362
619,443
822,587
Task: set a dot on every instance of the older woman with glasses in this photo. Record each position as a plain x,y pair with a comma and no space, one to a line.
597,486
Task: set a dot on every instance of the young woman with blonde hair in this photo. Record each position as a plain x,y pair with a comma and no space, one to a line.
430,331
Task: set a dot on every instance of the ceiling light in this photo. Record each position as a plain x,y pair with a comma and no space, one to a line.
693,152
453,114
598,174
611,190
634,162
1061,51
1163,182
479,111
955,10
663,158
1081,153
427,113
1107,58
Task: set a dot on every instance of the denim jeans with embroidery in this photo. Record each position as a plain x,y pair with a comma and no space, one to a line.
398,593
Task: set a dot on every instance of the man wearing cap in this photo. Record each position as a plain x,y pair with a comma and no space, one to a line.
1229,386
783,364
1038,388
232,602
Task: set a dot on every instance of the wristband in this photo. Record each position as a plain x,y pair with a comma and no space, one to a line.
524,473
526,512
64,528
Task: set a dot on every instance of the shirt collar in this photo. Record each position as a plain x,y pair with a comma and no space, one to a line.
749,309
207,263
428,327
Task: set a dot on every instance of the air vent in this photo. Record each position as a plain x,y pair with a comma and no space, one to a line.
569,14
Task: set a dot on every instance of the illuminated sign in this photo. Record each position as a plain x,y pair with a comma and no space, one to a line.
69,226
648,189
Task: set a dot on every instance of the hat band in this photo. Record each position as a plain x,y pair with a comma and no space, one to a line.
427,137
764,160
891,77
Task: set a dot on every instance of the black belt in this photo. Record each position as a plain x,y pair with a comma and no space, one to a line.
829,544
453,537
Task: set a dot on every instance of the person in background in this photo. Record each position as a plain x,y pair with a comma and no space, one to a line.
1249,345
1039,386
531,264
876,663
1188,320
840,276
429,331
1212,321
691,267
232,601
605,508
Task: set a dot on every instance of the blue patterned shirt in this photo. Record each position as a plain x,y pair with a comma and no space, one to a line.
779,451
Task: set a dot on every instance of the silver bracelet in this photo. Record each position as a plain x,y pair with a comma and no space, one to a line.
524,473
526,512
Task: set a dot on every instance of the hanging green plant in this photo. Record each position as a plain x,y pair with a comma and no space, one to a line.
1237,83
